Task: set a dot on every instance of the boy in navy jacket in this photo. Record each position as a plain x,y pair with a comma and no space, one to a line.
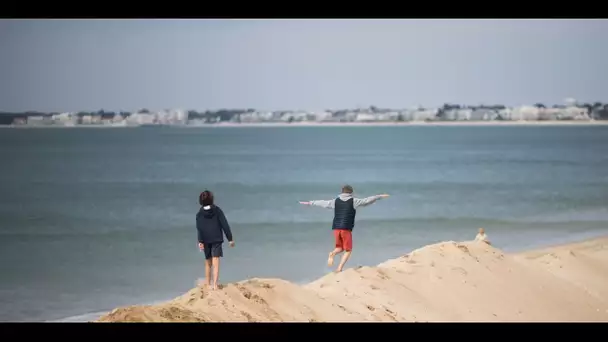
211,225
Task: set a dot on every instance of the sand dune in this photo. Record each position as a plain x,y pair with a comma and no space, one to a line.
448,281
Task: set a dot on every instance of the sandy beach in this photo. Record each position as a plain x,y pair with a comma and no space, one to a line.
447,281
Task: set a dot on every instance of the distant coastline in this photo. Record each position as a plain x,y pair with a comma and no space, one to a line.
448,114
334,124
406,124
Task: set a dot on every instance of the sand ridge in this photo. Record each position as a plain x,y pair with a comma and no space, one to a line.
447,281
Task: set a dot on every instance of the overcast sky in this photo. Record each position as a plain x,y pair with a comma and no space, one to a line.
72,65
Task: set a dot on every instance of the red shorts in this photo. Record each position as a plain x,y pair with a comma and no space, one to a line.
344,239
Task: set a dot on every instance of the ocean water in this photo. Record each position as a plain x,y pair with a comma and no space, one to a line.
92,219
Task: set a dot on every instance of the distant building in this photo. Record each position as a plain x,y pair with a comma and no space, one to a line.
525,113
65,119
483,114
365,117
424,114
19,121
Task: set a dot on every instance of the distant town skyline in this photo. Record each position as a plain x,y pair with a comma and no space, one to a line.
76,65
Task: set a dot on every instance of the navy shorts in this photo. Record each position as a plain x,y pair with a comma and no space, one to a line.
213,250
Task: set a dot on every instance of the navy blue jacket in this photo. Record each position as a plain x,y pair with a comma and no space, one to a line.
211,225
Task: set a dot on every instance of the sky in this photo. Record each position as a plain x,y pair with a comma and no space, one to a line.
76,65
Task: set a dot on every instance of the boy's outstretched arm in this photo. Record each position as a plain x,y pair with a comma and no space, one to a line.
329,204
362,202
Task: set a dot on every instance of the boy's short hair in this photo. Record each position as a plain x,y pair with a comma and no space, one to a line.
347,189
205,198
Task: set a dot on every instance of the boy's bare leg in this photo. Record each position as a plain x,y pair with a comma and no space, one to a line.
332,254
208,272
216,271
343,261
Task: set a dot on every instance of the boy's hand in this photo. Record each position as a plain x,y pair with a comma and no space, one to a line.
231,243
201,246
384,195
305,203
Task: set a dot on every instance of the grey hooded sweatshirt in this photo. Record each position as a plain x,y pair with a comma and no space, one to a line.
357,202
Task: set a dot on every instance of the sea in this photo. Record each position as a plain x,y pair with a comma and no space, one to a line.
93,219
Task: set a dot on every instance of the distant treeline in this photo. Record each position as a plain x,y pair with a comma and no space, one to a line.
596,110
